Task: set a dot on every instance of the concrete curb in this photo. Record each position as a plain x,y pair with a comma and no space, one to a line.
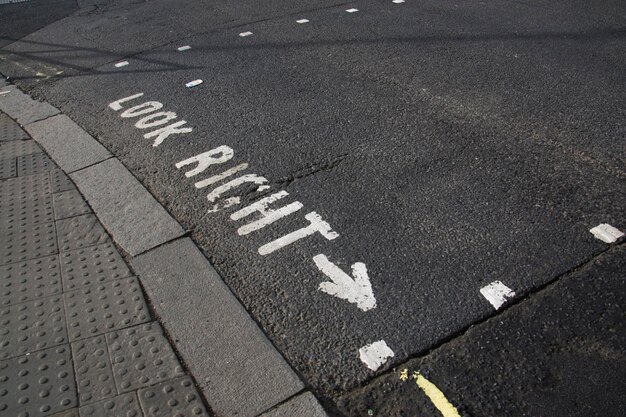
237,368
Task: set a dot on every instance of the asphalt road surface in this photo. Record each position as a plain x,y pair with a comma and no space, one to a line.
441,146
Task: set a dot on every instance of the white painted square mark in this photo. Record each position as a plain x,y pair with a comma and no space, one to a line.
352,10
497,293
376,354
121,64
302,21
244,34
193,83
606,233
183,48
398,1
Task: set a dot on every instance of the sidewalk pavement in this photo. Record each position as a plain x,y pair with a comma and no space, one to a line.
78,335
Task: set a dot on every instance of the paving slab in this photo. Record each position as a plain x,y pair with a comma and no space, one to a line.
105,307
29,280
141,357
68,144
25,187
92,265
223,347
22,108
8,168
172,398
134,218
39,384
125,405
32,326
60,182
304,405
80,232
10,130
35,163
15,148
21,212
94,374
69,204
29,242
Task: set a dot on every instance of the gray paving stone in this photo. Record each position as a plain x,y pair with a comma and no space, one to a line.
134,218
21,212
94,374
80,232
29,280
69,204
35,163
125,405
39,384
25,187
142,356
60,182
223,347
73,412
8,168
172,398
10,130
92,265
105,307
29,242
24,109
304,405
32,326
15,148
67,143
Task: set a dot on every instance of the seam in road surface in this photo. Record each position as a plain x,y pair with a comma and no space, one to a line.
518,301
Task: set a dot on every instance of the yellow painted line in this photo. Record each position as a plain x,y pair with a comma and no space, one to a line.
439,400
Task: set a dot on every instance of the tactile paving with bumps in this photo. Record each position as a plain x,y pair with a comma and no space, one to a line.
94,374
25,187
173,398
79,232
92,265
60,182
10,130
104,307
142,356
29,242
20,212
69,204
125,405
16,148
35,163
32,326
30,280
38,384
8,168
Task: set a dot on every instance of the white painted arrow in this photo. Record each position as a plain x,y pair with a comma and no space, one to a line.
357,291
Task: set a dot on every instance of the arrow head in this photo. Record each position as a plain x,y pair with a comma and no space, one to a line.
357,290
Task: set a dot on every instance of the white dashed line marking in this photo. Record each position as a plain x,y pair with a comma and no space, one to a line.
244,34
606,233
121,64
302,21
376,354
4,92
497,293
193,83
183,48
398,1
352,10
